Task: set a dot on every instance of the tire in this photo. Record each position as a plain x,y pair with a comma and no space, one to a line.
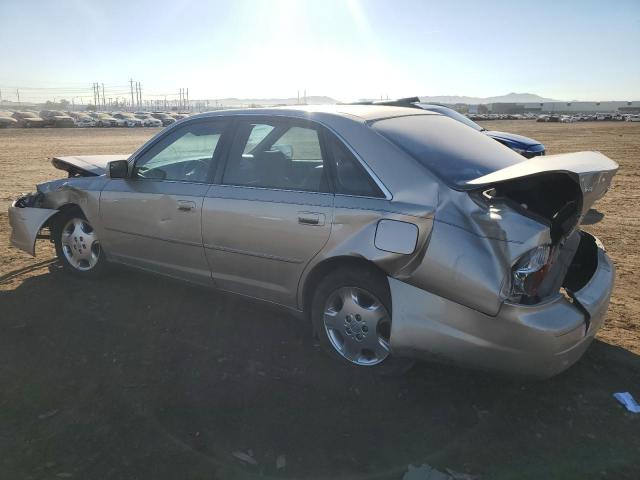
351,316
77,245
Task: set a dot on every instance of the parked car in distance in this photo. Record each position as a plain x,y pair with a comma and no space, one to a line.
56,118
165,118
633,118
399,232
28,119
129,119
7,120
105,120
148,120
180,116
82,119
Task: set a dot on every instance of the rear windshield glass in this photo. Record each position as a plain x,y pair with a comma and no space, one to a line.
449,149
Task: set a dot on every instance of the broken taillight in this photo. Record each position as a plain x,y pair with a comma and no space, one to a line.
529,271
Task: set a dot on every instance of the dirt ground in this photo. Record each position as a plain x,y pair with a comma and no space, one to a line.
139,377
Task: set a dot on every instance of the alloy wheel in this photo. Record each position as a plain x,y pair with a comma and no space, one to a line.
358,326
80,244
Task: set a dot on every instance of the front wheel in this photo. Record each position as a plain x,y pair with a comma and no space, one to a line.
351,314
77,245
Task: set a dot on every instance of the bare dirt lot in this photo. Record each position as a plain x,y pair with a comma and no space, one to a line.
138,377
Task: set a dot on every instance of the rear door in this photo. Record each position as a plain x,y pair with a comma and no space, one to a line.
270,210
153,219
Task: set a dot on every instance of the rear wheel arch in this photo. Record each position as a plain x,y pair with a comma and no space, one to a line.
324,268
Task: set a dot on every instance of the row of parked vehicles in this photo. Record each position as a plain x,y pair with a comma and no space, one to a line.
593,117
57,118
581,117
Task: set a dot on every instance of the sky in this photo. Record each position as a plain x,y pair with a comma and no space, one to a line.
586,50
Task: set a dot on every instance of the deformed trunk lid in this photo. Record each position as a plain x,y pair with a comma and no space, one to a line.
86,165
593,170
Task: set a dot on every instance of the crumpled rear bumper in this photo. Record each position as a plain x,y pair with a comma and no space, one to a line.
25,223
539,340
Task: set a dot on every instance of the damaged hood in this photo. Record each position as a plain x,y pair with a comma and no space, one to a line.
86,165
593,170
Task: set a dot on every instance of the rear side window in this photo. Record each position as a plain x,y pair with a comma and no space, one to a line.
449,149
277,154
351,177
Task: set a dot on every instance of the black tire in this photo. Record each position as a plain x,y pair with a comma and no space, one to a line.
371,283
86,270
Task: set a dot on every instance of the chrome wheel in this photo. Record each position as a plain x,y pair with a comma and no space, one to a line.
358,325
80,244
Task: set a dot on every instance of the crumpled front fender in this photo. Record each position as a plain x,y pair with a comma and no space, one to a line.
25,224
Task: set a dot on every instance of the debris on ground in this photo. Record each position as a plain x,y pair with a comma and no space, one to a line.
245,457
427,472
626,399
44,416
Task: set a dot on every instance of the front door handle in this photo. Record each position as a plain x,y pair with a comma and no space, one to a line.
310,218
186,205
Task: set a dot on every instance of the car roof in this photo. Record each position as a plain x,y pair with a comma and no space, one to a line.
365,113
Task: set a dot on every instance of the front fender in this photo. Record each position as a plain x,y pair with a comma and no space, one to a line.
25,224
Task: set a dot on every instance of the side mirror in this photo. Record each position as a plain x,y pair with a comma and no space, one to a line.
118,169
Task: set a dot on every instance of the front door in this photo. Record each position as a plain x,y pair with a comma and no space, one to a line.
153,219
270,210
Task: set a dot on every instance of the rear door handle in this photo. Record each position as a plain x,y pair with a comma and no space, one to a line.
186,205
310,218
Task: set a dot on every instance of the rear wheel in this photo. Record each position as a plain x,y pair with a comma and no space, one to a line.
351,314
77,245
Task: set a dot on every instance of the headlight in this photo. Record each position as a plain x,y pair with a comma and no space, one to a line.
521,151
529,271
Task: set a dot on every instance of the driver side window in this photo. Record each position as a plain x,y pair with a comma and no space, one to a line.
185,154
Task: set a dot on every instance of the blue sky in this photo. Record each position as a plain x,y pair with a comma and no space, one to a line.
345,49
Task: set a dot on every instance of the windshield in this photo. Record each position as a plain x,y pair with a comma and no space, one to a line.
451,113
451,151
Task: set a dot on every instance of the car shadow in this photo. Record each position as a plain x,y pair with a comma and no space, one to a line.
137,375
592,217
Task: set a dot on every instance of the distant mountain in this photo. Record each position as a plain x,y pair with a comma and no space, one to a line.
324,100
509,98
244,102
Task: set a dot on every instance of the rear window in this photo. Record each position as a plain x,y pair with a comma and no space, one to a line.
451,150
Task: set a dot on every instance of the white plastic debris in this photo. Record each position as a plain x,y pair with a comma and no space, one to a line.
245,457
626,399
424,472
427,472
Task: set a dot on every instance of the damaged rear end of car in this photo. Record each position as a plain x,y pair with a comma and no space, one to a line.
508,282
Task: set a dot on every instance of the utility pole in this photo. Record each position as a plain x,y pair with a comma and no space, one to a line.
18,95
104,103
131,85
188,99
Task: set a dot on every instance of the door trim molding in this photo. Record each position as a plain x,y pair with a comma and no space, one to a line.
253,254
153,237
